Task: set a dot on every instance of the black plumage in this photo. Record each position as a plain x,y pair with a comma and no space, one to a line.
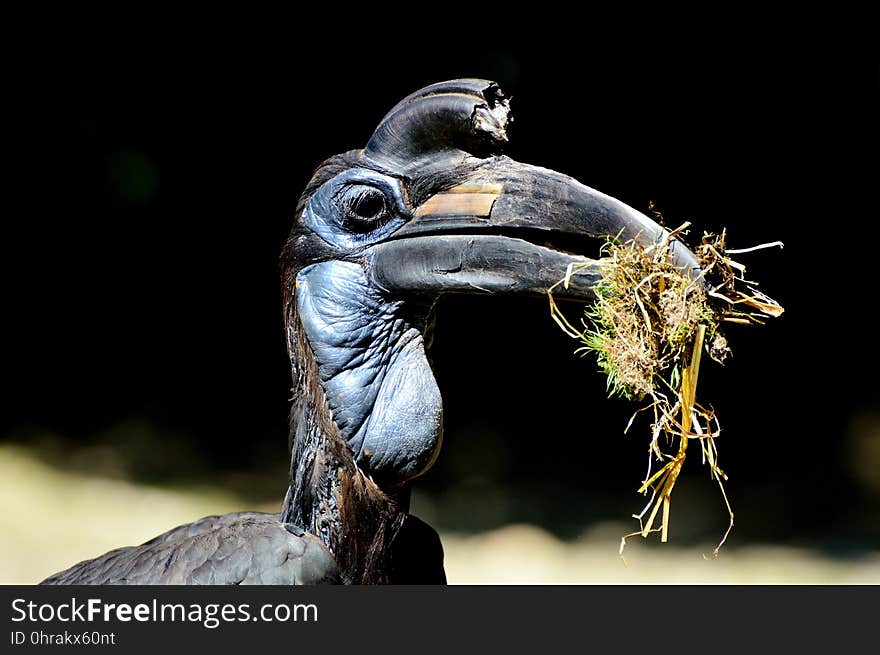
240,548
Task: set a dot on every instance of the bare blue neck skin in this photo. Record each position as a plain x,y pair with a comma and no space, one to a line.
373,368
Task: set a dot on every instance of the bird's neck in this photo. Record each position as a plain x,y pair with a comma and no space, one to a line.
329,495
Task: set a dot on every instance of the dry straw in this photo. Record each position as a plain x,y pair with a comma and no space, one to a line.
648,328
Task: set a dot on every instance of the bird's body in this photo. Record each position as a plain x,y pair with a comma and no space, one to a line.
240,548
428,207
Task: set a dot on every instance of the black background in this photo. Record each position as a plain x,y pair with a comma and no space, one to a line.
159,180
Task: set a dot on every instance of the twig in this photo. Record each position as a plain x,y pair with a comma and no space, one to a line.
740,251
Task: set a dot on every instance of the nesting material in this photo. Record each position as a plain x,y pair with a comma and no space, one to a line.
648,329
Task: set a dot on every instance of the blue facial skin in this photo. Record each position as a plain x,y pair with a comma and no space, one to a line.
369,347
376,377
329,212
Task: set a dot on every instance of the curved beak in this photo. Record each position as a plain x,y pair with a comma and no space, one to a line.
512,228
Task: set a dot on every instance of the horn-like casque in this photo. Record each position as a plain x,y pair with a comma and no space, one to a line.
444,123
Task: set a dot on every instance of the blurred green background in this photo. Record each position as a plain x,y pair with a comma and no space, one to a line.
144,372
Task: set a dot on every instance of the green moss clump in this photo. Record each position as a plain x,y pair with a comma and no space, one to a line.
645,318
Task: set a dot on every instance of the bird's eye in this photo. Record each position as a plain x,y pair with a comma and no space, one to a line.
369,205
364,208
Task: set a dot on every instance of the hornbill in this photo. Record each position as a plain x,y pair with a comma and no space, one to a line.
428,207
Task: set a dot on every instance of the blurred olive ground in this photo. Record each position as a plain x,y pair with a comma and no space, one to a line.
53,518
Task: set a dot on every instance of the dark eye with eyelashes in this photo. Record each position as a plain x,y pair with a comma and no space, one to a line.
363,208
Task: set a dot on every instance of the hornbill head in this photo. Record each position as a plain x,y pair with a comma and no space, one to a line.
428,207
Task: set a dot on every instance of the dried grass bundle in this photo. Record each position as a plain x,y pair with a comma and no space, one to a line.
648,329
